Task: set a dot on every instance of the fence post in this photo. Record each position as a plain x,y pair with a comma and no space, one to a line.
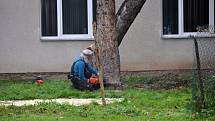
199,75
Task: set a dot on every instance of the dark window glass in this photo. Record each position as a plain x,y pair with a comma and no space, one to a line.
94,10
196,13
170,16
74,16
49,17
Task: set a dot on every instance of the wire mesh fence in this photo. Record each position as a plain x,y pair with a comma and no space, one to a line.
203,85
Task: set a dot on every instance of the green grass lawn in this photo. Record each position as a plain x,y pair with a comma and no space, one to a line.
139,104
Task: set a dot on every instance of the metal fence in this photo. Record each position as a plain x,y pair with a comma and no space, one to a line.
203,84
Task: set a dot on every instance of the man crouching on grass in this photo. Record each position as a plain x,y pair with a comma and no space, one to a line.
83,74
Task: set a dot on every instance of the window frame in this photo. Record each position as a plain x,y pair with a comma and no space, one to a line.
61,36
181,33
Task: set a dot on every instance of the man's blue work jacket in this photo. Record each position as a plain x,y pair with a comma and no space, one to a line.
79,68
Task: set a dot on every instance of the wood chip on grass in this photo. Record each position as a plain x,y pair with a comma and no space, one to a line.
68,101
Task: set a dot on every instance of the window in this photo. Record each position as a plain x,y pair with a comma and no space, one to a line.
67,19
182,17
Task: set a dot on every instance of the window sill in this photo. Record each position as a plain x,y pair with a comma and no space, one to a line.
187,36
67,38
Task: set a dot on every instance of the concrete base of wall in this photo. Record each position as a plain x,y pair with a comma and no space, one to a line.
63,75
33,76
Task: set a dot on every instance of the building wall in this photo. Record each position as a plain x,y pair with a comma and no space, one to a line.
21,49
144,49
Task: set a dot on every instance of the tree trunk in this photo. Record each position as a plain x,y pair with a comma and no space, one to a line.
110,30
107,43
126,15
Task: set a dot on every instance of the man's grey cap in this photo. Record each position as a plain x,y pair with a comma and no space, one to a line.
87,52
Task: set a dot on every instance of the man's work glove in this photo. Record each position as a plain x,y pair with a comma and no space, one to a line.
93,80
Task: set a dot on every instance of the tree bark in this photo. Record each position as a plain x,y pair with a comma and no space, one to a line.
110,30
126,15
107,43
